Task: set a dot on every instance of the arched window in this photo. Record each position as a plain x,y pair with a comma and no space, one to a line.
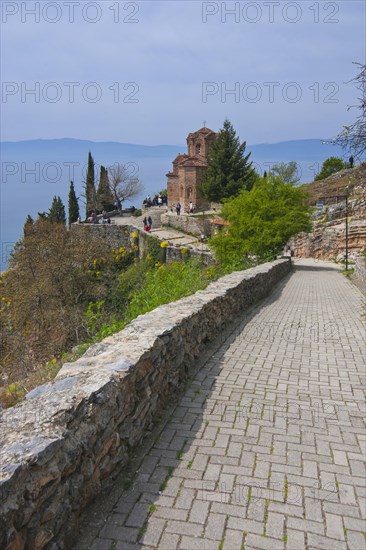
189,192
198,149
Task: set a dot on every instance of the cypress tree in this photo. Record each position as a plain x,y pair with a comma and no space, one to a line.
56,213
228,168
104,194
73,205
90,194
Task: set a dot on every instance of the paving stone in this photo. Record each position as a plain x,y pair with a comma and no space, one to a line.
215,526
198,512
283,418
153,532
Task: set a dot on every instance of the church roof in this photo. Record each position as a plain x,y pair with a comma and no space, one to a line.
179,158
194,161
204,130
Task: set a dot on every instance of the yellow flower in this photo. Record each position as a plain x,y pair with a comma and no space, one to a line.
164,244
98,273
184,250
134,235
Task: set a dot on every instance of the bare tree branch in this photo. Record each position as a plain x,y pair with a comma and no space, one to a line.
353,138
123,184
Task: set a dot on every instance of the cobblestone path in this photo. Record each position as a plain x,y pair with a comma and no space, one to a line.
265,449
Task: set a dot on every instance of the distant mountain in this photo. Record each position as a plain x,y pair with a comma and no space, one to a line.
33,171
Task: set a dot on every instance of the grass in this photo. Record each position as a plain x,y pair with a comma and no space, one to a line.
126,484
179,453
170,470
152,509
348,272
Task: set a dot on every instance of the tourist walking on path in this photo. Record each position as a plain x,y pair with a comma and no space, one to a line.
177,208
191,207
149,222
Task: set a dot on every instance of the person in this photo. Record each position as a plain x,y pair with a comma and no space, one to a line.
351,161
191,207
149,222
160,200
177,208
145,221
116,204
94,217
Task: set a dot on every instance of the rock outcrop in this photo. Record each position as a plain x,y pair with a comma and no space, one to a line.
328,238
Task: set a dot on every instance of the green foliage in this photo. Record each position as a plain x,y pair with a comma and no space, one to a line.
94,315
261,222
329,167
28,225
229,169
90,194
154,251
74,212
105,199
287,171
166,284
137,212
56,213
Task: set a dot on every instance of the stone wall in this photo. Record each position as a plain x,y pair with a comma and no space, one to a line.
115,235
195,225
360,269
176,254
72,436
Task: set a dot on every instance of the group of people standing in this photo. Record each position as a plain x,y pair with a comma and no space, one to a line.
178,208
158,200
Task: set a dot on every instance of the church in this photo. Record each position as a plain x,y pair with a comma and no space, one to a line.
187,170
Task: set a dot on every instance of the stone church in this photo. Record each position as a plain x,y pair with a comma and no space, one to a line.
187,170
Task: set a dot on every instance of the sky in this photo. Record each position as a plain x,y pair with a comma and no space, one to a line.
150,72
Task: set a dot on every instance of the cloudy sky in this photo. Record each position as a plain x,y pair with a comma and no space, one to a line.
149,72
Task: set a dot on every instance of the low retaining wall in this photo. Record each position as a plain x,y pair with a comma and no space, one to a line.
72,436
195,225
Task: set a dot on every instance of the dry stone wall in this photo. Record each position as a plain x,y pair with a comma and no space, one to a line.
72,436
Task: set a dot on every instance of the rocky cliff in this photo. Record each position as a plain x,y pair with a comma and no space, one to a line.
328,238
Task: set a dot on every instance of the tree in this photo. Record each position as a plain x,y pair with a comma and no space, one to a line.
329,167
90,194
73,205
105,197
56,213
353,137
49,285
28,225
261,221
124,186
228,168
287,171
